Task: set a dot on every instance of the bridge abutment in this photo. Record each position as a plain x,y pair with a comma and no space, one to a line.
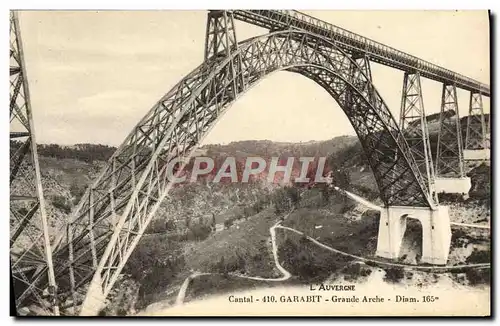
477,154
453,185
436,232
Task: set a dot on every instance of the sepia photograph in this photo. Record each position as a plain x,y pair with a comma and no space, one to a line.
250,163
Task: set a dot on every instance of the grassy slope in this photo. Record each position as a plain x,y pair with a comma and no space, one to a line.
332,228
248,239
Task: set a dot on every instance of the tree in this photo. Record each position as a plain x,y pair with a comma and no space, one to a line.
61,203
169,225
286,199
340,172
200,231
228,223
76,192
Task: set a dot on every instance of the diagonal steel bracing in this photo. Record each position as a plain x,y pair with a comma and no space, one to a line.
354,43
475,135
30,250
220,35
124,198
220,40
449,153
116,209
413,122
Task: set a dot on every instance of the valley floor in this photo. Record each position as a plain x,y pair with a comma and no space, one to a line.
307,262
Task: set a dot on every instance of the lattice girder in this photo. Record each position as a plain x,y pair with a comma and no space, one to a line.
127,193
449,152
30,250
475,135
413,123
220,34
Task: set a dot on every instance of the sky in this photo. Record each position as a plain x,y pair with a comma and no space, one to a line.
93,75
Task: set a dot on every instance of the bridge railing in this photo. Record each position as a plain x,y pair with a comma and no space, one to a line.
378,52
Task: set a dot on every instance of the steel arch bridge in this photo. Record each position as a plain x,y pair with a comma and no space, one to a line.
111,217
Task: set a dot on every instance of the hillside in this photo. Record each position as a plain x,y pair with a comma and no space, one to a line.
224,228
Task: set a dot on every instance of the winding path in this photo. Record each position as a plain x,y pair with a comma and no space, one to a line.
359,199
383,263
286,275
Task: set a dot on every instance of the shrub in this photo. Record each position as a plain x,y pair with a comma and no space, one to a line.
162,273
230,265
248,211
60,203
455,198
304,260
393,274
156,259
199,232
478,257
478,276
228,223
285,199
160,226
353,271
76,192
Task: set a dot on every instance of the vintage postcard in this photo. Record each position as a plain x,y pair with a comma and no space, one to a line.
250,163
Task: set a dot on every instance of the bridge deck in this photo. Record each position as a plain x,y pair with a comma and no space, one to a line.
354,43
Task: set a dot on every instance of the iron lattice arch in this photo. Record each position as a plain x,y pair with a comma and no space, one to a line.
30,251
116,209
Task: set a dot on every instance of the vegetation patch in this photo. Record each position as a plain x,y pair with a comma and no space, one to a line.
393,274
